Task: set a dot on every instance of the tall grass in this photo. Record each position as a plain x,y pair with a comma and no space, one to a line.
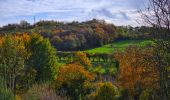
5,92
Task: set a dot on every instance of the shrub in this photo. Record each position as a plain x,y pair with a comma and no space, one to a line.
106,92
124,94
42,92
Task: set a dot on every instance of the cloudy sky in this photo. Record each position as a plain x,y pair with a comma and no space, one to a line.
119,12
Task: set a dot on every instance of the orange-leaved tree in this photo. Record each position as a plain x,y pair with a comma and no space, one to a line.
74,80
138,70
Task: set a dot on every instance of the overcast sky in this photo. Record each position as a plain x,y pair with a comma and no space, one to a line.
118,12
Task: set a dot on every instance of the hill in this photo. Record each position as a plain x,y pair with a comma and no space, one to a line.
79,36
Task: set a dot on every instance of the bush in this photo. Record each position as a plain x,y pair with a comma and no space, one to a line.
42,92
106,92
124,94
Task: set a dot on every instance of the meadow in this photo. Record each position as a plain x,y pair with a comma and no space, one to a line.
119,45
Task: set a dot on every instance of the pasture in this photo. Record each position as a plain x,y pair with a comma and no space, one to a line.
119,45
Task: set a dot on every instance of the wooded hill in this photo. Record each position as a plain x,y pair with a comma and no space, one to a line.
75,36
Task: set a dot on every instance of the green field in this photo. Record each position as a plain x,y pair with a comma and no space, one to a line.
120,45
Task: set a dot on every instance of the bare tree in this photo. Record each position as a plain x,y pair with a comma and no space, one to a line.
157,15
24,24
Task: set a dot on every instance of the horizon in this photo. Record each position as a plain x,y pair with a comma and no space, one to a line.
117,12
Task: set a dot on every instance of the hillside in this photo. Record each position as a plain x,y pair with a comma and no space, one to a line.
75,36
119,45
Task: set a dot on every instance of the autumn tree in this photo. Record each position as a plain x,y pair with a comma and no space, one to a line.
27,76
138,70
157,15
13,56
82,58
74,80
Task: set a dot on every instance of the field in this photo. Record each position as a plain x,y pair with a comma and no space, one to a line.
120,45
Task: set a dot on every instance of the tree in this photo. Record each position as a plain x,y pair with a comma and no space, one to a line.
43,58
24,24
74,80
13,56
138,70
157,15
26,79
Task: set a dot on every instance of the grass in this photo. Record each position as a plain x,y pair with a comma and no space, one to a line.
120,45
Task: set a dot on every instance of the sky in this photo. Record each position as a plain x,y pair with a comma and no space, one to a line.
118,12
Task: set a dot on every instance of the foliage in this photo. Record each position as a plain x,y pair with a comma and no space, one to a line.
124,94
106,92
82,58
156,14
17,65
113,71
129,32
99,70
138,70
73,79
13,56
43,58
5,93
68,36
26,80
80,36
149,95
42,91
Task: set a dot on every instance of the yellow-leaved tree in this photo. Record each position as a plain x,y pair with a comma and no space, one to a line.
82,58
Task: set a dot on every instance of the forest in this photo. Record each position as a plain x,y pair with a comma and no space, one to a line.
89,60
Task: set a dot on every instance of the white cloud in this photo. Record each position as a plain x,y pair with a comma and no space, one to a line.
114,11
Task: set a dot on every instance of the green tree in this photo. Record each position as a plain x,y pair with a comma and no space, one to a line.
43,58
